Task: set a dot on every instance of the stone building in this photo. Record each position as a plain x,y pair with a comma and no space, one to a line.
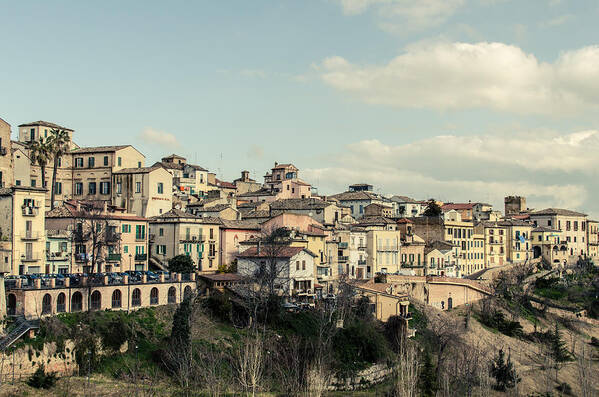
572,224
6,161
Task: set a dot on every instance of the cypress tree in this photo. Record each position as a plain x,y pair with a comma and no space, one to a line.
428,378
503,371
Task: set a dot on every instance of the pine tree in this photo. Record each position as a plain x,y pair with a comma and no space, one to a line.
503,371
181,331
428,379
559,353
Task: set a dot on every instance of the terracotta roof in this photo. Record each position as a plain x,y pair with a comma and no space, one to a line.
175,214
282,252
348,196
457,206
299,204
174,156
261,192
257,214
240,224
99,149
404,220
222,277
227,185
141,170
545,229
557,211
44,124
279,166
375,220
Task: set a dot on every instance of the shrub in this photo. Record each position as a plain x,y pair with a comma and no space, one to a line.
356,346
42,380
496,319
219,305
565,389
181,264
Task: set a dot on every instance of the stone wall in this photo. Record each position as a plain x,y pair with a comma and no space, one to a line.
370,376
24,361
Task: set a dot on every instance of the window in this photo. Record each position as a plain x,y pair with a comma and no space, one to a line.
361,209
125,228
47,304
137,187
18,182
172,295
92,188
76,302
303,265
119,161
58,188
116,298
161,232
160,188
32,134
60,303
105,160
78,188
96,300
297,265
91,162
78,162
154,296
125,249
139,164
549,222
104,188
136,297
575,226
119,187
60,162
33,182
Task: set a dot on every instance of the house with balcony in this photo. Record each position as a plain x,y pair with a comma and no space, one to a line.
180,233
104,238
59,251
518,240
22,228
572,224
291,267
440,259
413,260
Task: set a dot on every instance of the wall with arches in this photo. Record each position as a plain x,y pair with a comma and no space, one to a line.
39,302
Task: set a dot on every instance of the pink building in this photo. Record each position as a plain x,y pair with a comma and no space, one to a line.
303,223
232,233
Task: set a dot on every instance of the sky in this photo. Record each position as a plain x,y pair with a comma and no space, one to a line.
453,99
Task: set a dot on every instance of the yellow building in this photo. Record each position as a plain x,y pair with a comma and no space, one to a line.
518,243
495,240
593,239
179,233
22,229
6,162
547,243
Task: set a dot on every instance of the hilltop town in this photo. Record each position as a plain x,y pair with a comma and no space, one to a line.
86,229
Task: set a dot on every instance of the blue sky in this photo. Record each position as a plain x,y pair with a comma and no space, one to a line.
456,99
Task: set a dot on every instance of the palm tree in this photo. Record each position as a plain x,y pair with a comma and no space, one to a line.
59,145
40,152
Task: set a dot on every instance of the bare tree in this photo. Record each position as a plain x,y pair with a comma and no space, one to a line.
406,379
250,362
585,373
214,370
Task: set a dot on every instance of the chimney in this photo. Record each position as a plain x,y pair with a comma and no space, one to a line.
78,206
258,248
276,163
105,207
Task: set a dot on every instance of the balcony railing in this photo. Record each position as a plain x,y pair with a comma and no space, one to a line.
80,236
141,257
361,262
140,237
29,235
113,257
29,211
56,256
362,248
343,245
197,239
342,258
81,257
113,237
29,258
388,248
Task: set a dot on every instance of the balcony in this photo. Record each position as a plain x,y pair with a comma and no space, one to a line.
57,256
361,262
80,237
388,248
29,258
343,245
342,258
113,237
141,257
113,258
193,239
81,258
362,248
29,211
30,236
140,237
3,151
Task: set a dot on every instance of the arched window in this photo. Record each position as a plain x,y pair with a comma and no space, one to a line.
154,296
12,304
186,292
61,303
47,304
136,297
172,295
116,298
96,300
76,302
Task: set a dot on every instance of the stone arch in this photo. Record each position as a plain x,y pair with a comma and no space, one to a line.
172,295
61,301
186,292
47,304
117,300
136,297
154,296
76,302
96,300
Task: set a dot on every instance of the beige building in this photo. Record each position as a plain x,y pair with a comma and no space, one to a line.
22,229
188,179
518,240
145,191
245,184
93,168
571,223
104,238
324,212
412,248
383,244
548,244
593,239
495,243
179,233
6,161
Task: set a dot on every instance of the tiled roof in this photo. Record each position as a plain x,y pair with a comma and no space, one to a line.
99,149
142,170
375,220
227,185
44,124
222,277
545,229
513,222
347,196
279,166
557,211
175,214
457,206
257,214
261,192
282,252
215,208
299,204
403,199
240,224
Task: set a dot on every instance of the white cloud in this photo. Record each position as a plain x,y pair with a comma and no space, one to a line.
550,169
442,75
557,21
253,73
161,138
399,15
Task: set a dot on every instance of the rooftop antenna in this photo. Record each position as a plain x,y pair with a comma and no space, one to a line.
220,164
